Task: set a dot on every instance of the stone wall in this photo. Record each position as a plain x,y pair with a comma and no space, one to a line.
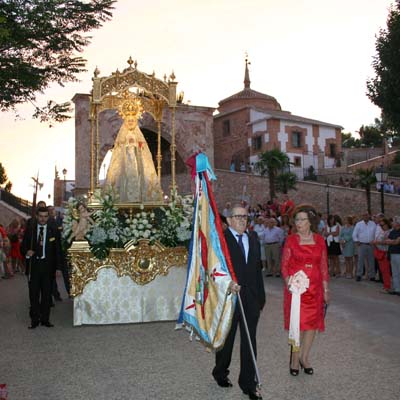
235,186
375,162
8,213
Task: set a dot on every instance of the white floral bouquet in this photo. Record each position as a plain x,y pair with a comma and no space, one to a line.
139,226
170,225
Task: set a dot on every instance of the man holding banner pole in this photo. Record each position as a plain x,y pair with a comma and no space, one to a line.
244,251
224,282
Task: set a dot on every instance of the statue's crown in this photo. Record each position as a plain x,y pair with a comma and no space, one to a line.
130,107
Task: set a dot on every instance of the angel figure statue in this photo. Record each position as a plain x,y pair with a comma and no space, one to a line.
131,173
81,225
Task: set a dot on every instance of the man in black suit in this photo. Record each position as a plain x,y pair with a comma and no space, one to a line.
42,248
244,250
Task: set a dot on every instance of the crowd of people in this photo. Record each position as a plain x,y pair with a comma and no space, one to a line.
304,248
358,246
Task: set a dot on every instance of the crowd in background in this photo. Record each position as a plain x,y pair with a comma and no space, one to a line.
11,260
359,246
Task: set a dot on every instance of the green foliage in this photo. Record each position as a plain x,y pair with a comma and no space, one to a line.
3,174
4,179
349,141
53,112
8,187
366,178
394,170
286,181
39,44
371,135
397,158
271,163
384,89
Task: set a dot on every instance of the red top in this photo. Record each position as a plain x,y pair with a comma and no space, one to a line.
287,208
313,260
3,232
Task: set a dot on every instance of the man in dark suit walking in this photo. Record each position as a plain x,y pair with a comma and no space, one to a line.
244,250
42,248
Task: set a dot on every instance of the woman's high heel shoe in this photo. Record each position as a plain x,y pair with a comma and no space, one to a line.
308,371
292,371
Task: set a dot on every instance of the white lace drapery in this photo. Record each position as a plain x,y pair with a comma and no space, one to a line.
298,284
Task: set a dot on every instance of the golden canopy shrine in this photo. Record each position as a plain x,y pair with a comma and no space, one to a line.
140,282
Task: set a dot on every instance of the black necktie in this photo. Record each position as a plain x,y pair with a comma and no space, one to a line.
240,243
40,242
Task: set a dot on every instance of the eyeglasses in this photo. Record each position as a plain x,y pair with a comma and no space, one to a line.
300,219
239,216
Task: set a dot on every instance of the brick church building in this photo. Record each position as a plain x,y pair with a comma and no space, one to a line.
249,123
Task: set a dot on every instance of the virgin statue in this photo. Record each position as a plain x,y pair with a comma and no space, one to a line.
131,172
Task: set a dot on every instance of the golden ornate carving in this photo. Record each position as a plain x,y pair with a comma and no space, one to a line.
130,107
142,262
154,94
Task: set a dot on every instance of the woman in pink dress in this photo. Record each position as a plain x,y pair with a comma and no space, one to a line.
305,251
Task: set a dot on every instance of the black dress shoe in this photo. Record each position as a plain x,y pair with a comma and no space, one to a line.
47,324
33,325
358,279
308,371
224,382
253,394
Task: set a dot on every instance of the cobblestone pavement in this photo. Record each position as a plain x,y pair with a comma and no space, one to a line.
356,358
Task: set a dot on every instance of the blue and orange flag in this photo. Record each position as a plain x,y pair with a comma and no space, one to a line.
207,305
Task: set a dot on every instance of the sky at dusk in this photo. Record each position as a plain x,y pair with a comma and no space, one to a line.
313,56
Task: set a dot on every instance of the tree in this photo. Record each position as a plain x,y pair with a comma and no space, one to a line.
8,187
366,178
4,179
271,163
286,181
384,89
371,135
349,141
39,43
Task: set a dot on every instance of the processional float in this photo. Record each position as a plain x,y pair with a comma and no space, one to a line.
130,92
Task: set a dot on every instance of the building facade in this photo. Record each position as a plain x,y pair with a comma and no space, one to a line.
249,123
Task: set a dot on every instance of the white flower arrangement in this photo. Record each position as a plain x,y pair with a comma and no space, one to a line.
170,225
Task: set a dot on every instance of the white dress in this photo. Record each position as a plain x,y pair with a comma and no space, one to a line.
131,173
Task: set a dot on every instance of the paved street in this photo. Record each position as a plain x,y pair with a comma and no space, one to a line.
356,358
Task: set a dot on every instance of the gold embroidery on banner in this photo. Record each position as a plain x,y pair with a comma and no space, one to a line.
142,262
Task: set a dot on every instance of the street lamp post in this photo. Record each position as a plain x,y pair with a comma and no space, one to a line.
64,171
327,199
381,177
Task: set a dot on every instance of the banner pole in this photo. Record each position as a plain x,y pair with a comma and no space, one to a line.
249,340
